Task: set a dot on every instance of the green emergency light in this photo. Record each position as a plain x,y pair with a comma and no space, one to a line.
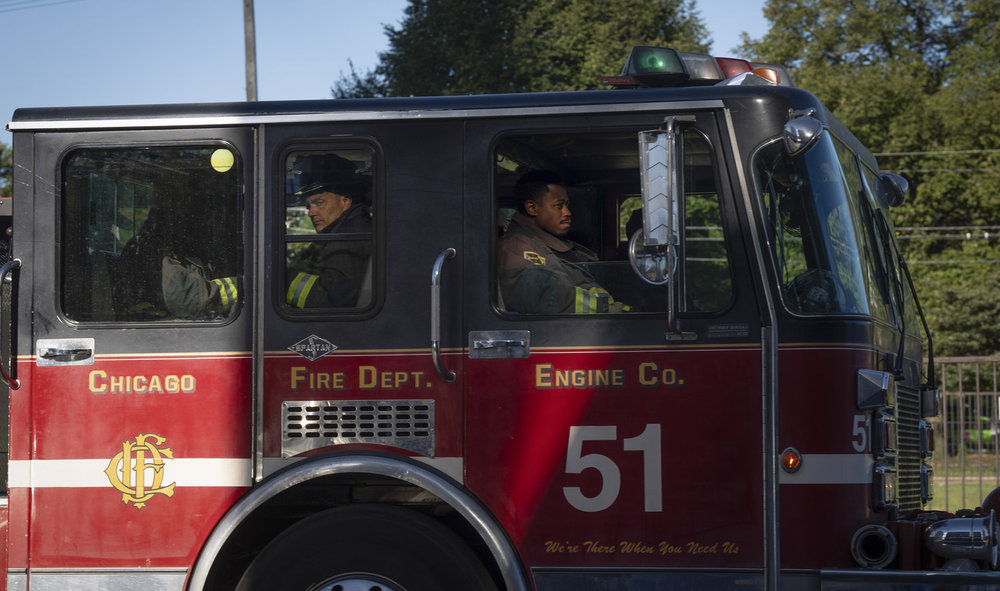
653,60
650,66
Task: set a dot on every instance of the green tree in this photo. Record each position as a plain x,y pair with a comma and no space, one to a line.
447,47
6,171
569,44
913,80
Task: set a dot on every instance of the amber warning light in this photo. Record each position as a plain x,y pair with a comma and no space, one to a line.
791,459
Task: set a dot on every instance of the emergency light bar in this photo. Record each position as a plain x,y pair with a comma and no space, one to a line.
703,68
649,66
732,67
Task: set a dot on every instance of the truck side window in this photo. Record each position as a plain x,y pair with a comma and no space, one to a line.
328,228
584,269
151,234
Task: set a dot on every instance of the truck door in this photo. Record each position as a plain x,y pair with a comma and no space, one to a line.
136,387
598,438
347,316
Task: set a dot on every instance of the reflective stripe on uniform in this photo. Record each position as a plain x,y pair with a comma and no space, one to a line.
591,301
299,288
583,301
227,291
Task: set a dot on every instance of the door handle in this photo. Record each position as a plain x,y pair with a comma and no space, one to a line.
64,355
499,344
77,351
491,343
12,269
448,253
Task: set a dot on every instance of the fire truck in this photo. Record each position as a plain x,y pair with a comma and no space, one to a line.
184,416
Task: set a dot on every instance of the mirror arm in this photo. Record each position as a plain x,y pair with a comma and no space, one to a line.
655,250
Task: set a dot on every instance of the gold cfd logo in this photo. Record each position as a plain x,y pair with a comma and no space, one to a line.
137,470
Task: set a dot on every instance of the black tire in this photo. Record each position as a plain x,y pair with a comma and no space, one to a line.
366,547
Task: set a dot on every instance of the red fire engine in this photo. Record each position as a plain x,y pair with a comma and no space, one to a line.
193,406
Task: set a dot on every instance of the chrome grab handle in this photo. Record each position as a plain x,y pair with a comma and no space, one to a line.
449,376
10,379
66,354
492,343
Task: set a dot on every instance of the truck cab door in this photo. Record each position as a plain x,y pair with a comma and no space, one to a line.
599,439
347,359
134,408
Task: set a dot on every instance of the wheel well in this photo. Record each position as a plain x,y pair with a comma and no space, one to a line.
325,492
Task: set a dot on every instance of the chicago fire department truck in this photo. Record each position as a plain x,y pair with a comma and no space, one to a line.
182,418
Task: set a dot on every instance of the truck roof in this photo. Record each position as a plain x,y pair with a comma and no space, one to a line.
776,101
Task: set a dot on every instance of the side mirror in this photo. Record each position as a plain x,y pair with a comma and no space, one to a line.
654,264
801,133
896,188
657,242
655,250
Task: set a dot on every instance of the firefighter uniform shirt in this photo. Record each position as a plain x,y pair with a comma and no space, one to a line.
540,273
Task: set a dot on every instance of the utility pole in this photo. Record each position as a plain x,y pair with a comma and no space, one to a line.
251,49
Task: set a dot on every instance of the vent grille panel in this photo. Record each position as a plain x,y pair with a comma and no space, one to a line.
908,460
311,424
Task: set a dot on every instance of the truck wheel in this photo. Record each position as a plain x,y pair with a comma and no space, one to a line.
366,548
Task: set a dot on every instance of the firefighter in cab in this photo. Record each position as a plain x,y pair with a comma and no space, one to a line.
539,270
331,272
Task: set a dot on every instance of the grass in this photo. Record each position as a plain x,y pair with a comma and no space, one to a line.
953,488
969,477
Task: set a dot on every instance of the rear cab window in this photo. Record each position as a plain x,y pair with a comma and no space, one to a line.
329,234
151,234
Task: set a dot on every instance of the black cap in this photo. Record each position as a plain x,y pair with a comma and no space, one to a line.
316,188
330,173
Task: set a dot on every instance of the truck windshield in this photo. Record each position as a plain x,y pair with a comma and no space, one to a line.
815,230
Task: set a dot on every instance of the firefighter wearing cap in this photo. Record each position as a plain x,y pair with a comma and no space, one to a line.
537,268
329,274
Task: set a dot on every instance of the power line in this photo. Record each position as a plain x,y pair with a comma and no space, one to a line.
959,262
967,237
943,228
929,170
15,5
19,3
934,152
948,233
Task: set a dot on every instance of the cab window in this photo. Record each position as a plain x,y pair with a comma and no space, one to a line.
567,205
151,234
812,206
870,250
328,230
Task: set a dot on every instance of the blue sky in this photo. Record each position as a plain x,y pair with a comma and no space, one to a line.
110,52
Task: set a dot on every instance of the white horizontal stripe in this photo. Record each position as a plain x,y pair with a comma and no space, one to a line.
454,467
831,469
90,473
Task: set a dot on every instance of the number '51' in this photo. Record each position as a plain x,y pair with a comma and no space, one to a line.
648,442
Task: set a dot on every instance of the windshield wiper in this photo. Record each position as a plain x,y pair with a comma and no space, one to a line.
902,266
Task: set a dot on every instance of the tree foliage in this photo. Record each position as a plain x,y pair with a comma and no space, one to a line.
6,171
447,47
917,81
913,80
